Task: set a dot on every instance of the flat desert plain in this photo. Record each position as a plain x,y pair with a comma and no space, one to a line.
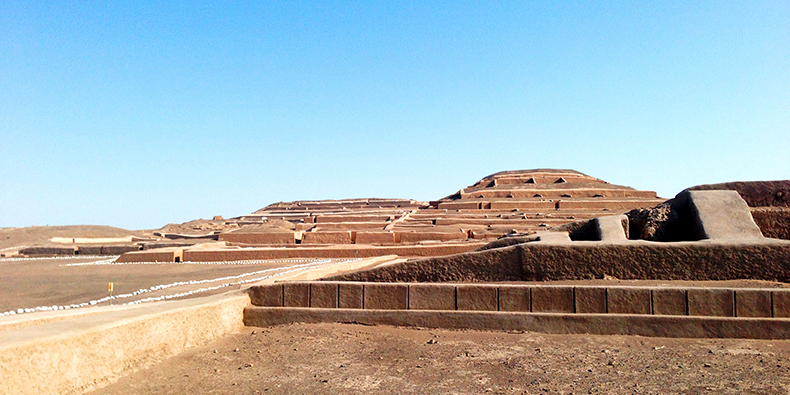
30,283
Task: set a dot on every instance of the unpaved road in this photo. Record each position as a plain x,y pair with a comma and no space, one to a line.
355,359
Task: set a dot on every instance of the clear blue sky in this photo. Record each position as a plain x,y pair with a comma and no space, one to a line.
136,113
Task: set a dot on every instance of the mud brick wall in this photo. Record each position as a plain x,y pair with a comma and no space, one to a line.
533,261
342,237
375,237
259,237
48,251
709,302
413,237
666,261
774,222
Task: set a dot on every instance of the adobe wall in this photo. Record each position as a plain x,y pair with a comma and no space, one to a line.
645,311
567,299
414,237
77,355
513,222
502,264
554,193
48,251
259,237
327,237
352,218
522,205
536,261
650,260
537,178
341,251
348,225
155,255
364,237
597,324
756,193
602,203
459,205
485,234
774,222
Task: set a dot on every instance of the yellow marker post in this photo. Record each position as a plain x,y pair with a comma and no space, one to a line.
109,289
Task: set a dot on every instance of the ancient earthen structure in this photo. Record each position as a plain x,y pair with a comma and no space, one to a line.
698,235
483,258
506,202
511,202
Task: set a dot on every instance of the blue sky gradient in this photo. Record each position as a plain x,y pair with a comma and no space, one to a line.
136,114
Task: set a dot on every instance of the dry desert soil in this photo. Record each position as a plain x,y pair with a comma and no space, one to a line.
356,359
29,283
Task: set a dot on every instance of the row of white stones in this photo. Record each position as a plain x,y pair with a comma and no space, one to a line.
241,262
284,270
39,258
245,281
14,248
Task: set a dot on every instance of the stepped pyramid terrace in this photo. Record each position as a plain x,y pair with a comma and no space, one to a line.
543,252
509,202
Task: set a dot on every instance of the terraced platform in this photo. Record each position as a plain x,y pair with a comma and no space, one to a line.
755,313
504,203
564,231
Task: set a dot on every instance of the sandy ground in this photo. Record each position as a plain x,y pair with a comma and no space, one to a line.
29,283
349,359
11,238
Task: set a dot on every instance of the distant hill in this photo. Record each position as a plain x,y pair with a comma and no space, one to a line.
41,235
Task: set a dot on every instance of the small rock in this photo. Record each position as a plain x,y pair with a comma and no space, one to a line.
706,365
432,341
235,350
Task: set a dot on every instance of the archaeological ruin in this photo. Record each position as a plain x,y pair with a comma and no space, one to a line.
544,250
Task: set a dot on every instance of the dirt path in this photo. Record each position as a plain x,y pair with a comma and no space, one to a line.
343,359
